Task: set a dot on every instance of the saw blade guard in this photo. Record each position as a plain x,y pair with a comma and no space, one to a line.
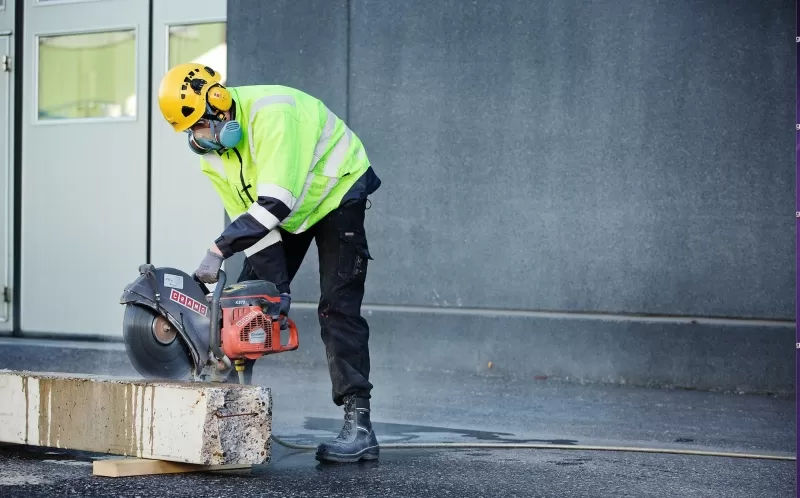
176,297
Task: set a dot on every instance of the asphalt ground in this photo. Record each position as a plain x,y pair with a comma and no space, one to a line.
425,407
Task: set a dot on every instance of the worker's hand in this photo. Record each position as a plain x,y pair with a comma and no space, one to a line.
208,271
286,302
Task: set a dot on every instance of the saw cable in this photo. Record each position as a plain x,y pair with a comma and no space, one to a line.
535,446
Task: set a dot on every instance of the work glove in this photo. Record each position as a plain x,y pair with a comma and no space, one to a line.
286,302
208,271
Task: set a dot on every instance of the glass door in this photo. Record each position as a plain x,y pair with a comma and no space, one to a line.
84,170
184,31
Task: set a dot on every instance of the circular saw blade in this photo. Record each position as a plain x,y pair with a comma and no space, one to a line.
154,347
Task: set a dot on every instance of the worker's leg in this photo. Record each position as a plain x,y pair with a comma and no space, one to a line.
343,255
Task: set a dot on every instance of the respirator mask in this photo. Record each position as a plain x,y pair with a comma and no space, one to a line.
214,135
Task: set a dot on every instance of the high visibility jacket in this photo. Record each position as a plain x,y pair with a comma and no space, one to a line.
295,162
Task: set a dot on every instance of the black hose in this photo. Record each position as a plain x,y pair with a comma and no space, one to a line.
534,446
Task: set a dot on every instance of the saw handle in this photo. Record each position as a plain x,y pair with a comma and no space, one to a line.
294,338
214,339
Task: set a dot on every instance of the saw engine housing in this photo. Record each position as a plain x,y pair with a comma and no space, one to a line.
251,323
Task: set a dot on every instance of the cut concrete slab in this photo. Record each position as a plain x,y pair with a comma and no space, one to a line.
199,423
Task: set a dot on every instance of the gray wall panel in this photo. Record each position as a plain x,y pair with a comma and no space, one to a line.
747,357
613,156
299,43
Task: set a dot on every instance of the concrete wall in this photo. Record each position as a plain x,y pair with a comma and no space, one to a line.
628,158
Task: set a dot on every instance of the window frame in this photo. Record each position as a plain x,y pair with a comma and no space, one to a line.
36,121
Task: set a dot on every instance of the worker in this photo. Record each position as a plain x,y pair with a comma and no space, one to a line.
288,170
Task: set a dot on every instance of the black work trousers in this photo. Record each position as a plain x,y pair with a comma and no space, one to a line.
343,254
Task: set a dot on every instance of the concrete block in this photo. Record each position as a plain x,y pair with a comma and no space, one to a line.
199,423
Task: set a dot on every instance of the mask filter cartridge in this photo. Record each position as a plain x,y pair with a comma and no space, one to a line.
229,134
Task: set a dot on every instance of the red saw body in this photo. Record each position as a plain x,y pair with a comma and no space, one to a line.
251,322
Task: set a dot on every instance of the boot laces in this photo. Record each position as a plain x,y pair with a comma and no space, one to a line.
349,419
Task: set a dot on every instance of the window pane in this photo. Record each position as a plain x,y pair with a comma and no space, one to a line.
87,75
201,43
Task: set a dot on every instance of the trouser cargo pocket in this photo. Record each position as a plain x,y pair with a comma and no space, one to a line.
353,255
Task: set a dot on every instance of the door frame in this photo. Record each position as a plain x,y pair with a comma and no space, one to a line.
7,307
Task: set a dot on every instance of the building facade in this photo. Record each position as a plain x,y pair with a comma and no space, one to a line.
599,191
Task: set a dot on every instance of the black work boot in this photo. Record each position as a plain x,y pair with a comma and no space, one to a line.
356,440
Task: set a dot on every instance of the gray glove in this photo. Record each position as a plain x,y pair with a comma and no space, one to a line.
208,271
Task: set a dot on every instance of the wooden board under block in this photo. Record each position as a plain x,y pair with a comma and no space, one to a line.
128,467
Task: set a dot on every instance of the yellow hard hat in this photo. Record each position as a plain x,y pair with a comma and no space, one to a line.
184,93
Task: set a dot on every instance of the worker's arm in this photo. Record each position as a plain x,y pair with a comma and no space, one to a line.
279,183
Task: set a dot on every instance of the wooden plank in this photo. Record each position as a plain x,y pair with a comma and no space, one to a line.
128,467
